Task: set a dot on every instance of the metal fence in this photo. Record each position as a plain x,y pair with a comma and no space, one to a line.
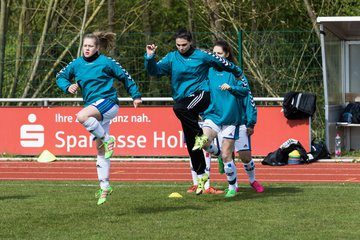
274,62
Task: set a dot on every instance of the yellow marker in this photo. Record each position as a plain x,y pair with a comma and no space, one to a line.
46,157
175,195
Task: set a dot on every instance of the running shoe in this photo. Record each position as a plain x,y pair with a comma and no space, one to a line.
212,190
201,183
221,165
231,193
192,189
200,141
109,147
227,189
257,187
102,194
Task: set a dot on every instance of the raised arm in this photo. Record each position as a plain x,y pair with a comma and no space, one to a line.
161,68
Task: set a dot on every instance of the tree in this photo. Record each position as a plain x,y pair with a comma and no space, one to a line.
312,16
191,21
216,25
3,15
39,50
82,29
111,20
19,44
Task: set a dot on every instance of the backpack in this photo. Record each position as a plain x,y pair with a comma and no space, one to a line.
298,105
318,151
280,157
351,113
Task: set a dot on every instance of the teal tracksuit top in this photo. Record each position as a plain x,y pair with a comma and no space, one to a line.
189,74
227,107
96,79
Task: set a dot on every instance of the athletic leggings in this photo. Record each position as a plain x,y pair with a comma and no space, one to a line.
187,111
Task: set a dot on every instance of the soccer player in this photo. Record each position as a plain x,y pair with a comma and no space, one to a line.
223,116
189,68
94,76
243,144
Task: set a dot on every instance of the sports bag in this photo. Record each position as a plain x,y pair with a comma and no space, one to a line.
297,105
280,157
318,151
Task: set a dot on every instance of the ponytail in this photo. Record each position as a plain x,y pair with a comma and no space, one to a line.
106,40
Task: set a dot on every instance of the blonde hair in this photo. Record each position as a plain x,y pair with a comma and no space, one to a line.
106,40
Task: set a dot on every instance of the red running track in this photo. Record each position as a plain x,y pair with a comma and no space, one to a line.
175,172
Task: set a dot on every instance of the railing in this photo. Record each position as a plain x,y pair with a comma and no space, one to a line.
45,101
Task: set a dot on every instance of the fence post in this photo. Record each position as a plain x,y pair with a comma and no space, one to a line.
240,48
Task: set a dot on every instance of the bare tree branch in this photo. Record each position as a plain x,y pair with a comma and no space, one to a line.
38,52
312,16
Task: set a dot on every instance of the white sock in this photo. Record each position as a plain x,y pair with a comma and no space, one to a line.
103,171
213,149
230,171
106,137
236,184
94,127
193,175
207,169
250,170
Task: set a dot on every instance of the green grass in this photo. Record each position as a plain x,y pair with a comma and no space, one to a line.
68,210
351,153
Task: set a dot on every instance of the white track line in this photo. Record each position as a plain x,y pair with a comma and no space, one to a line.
170,185
152,159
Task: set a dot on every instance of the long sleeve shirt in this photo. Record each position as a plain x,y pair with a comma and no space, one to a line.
189,74
96,79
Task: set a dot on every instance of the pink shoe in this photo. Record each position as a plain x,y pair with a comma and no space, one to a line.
257,187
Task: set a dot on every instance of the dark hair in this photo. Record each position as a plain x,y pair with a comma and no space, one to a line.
106,40
183,33
227,49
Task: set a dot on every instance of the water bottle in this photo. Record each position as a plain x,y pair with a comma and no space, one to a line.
337,146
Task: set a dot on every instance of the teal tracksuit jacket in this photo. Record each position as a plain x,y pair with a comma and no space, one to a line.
96,79
189,74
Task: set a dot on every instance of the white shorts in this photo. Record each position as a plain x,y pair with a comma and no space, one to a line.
108,111
241,144
226,131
